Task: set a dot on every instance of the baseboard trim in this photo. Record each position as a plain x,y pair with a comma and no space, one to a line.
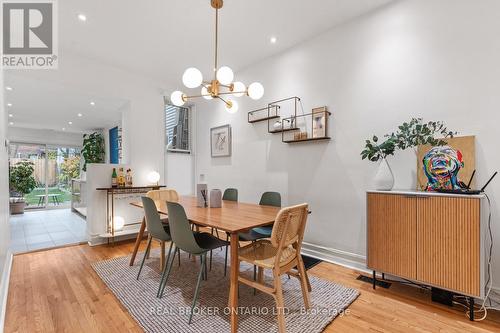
335,256
4,288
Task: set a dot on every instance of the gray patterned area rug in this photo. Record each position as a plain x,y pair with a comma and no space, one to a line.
257,313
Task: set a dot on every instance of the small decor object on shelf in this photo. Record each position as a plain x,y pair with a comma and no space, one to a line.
215,198
319,122
114,178
220,141
409,135
446,167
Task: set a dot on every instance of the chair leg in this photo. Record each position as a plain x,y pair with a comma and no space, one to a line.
149,237
144,258
205,265
197,290
260,275
179,256
280,303
162,255
255,278
211,260
303,283
165,268
169,268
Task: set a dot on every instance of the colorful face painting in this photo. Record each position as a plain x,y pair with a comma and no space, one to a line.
441,166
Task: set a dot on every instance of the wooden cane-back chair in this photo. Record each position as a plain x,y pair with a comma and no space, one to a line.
281,254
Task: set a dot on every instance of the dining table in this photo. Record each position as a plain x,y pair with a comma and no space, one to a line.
232,217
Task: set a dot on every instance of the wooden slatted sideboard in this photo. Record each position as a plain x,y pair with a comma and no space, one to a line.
430,238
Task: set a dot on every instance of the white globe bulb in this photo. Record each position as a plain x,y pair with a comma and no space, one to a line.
205,93
234,106
118,223
225,75
239,88
192,78
255,90
153,177
177,98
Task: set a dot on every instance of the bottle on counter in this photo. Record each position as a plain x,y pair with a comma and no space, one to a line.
121,178
128,178
114,178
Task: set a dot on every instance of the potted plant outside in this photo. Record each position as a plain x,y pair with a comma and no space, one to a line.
21,182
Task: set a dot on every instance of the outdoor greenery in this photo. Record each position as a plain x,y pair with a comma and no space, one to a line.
93,149
21,179
409,135
70,169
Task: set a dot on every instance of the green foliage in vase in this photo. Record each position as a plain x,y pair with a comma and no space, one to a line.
21,179
93,149
409,135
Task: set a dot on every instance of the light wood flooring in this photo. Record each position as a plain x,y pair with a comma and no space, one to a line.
58,291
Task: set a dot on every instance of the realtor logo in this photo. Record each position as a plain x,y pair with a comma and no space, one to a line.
29,34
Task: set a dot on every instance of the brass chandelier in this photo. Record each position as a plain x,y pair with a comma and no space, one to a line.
221,85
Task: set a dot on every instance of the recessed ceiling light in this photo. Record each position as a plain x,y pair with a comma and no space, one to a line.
8,88
92,103
63,128
9,104
11,123
70,123
79,115
82,17
273,40
11,115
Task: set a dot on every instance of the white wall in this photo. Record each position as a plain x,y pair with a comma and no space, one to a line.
4,207
433,59
42,136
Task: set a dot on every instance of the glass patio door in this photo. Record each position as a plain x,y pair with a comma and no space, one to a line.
36,155
53,169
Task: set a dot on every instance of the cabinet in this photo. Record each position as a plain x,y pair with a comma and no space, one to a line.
431,238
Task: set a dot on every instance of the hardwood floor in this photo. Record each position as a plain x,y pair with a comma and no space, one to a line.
58,291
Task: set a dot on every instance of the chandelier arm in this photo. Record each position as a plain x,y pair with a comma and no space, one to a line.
232,92
222,99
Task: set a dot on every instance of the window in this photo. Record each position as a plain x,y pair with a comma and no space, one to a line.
177,130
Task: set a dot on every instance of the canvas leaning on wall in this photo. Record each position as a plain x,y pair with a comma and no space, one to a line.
446,167
220,141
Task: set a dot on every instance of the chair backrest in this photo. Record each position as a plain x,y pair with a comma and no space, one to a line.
270,199
180,230
289,226
164,195
230,194
153,221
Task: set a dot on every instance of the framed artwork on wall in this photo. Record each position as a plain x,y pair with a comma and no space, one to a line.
220,141
319,122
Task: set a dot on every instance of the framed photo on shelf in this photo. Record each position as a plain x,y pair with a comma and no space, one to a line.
319,122
220,141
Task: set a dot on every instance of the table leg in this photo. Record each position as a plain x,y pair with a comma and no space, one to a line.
233,290
138,240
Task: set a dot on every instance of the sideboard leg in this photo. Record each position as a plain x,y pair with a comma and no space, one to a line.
471,308
374,279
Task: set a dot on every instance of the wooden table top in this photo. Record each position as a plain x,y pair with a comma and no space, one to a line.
231,217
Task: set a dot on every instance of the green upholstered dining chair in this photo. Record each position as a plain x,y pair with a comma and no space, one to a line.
156,229
194,243
230,194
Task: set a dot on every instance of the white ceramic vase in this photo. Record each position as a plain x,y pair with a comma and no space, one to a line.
384,178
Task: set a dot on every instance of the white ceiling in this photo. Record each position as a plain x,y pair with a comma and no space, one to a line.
161,38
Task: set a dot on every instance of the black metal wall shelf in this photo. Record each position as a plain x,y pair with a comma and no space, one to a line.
268,113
